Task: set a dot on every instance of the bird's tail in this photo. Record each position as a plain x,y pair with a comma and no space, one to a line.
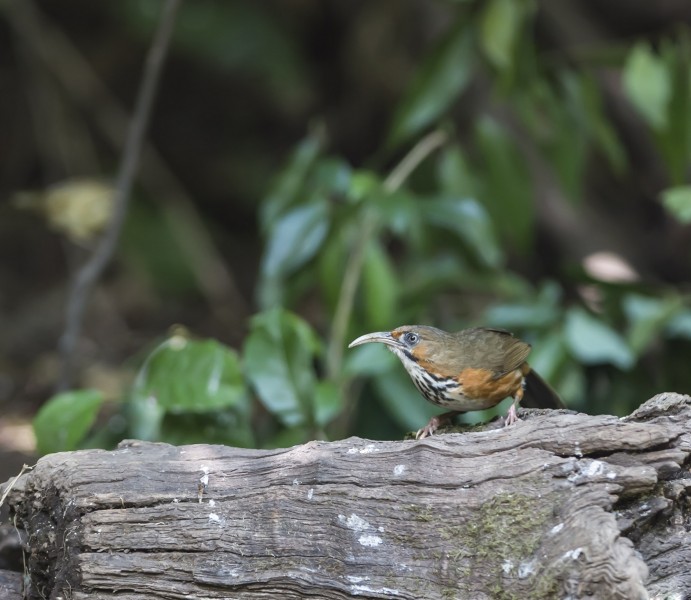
539,394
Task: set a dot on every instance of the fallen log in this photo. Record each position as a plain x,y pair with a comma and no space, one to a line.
561,505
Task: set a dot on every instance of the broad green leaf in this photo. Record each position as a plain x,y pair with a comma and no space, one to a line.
65,419
363,185
380,286
278,358
445,271
648,317
508,187
547,355
680,325
145,417
332,176
648,84
675,141
500,26
443,76
454,173
601,128
538,312
328,402
677,200
296,237
291,182
185,375
594,342
398,213
331,262
469,220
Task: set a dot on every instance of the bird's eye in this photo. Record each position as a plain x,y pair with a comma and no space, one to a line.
411,338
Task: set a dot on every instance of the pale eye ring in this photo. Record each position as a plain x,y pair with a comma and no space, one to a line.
411,338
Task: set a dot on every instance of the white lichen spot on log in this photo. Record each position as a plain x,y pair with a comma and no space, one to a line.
507,566
214,518
310,494
556,529
526,569
368,449
398,470
354,522
574,554
369,540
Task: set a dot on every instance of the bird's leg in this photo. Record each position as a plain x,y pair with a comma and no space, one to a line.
511,416
435,423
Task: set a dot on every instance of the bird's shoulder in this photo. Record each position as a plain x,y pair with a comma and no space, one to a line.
490,348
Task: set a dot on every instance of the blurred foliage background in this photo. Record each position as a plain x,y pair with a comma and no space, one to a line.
320,169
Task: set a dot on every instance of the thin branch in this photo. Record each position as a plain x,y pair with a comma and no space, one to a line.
57,51
88,275
12,483
367,230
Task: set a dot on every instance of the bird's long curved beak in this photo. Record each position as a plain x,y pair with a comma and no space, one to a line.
383,337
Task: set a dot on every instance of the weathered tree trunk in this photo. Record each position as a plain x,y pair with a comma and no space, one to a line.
561,505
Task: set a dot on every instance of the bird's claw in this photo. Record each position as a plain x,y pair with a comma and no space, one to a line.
511,416
435,423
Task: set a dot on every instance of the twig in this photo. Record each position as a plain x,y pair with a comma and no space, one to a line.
367,229
12,483
57,51
92,269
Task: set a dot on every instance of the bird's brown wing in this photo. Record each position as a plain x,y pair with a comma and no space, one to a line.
494,349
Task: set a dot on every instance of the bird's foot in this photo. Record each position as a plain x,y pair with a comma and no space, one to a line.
435,423
511,416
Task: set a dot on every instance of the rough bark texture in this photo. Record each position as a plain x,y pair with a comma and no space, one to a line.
561,505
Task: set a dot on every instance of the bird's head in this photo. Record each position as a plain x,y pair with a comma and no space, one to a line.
409,342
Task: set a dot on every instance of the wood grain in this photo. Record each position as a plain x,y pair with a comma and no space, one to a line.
561,505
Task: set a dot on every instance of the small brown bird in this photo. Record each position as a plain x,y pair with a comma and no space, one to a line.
472,369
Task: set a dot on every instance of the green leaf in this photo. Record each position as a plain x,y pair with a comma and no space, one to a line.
547,355
291,182
183,375
501,22
65,419
537,312
677,200
454,173
675,141
469,220
379,286
294,240
328,402
364,184
594,342
648,317
602,130
444,75
647,82
508,187
331,262
278,357
680,325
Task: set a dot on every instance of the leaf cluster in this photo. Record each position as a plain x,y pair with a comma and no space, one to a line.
437,235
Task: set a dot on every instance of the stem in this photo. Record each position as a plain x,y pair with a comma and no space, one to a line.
367,230
87,276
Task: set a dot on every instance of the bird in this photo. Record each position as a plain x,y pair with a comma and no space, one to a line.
472,369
